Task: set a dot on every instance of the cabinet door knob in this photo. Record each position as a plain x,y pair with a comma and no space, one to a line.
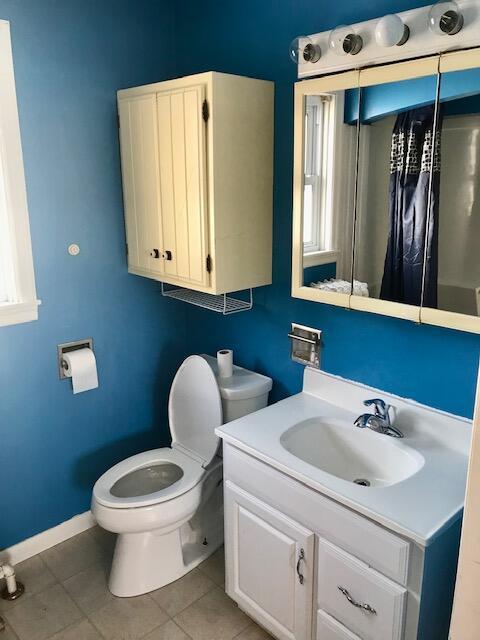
301,557
155,253
354,603
167,255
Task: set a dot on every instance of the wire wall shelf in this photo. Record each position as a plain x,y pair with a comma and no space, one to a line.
222,303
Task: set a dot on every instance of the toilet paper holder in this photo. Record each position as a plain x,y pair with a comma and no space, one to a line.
66,347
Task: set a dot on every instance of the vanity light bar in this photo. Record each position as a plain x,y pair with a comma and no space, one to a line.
444,26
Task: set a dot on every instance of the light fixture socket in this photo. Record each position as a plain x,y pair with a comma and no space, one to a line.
405,37
311,52
303,49
352,44
344,41
445,18
451,22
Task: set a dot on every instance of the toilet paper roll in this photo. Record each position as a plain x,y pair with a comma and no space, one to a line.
81,367
225,363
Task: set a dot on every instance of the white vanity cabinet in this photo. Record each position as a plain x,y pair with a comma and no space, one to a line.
197,170
307,568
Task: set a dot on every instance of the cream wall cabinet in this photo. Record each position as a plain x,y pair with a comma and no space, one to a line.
197,169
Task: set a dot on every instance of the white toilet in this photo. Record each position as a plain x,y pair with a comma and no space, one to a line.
167,504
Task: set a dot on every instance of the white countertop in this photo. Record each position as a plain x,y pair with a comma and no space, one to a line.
419,507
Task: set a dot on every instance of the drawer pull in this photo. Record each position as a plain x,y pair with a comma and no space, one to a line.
359,605
301,557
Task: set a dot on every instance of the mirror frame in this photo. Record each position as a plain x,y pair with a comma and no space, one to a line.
432,65
454,61
328,84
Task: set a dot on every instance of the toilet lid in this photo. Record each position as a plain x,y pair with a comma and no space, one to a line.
195,409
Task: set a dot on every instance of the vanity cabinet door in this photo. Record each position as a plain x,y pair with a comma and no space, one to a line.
269,565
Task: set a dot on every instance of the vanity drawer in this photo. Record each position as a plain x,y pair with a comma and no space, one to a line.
379,548
362,586
330,629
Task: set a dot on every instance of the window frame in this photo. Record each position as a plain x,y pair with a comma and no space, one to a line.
324,248
22,305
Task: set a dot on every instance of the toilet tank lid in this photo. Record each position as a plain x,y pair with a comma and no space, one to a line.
243,385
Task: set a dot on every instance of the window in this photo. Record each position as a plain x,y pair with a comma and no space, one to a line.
18,301
318,232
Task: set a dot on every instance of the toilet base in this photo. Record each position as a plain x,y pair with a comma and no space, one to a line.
147,561
144,562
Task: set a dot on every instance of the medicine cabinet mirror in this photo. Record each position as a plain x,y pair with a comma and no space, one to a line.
387,190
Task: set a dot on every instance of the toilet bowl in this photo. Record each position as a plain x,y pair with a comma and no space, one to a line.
166,505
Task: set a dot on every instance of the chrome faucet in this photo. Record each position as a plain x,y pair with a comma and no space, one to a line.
378,421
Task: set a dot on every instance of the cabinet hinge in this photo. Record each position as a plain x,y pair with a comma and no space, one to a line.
118,120
205,111
126,249
209,263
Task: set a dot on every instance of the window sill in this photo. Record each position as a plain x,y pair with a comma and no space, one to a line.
315,258
18,312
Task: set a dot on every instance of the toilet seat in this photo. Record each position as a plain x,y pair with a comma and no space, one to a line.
195,411
192,474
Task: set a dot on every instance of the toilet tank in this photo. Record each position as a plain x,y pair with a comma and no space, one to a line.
245,392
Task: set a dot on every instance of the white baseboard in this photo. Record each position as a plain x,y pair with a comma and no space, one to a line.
49,538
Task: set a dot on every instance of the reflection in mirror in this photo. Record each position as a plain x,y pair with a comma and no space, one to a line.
395,158
328,182
454,246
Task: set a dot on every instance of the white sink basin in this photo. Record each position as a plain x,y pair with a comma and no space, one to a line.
417,483
350,453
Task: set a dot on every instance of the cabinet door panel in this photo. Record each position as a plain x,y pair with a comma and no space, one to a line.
138,133
181,135
263,549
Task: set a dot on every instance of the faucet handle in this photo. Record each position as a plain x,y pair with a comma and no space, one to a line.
381,407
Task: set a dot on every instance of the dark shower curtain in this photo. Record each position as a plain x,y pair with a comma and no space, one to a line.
410,166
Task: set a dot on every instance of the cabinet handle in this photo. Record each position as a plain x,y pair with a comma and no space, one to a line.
301,557
155,253
167,255
359,605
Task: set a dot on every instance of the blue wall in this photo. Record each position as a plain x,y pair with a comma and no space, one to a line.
431,365
458,91
70,58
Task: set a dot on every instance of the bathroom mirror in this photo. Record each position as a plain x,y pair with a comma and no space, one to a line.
394,187
452,283
390,180
325,161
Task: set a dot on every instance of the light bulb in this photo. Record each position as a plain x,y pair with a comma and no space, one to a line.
391,31
445,18
344,41
303,49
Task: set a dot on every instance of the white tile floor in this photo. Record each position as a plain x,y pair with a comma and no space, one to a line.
66,598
